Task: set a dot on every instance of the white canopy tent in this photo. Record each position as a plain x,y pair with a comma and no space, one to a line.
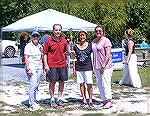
45,20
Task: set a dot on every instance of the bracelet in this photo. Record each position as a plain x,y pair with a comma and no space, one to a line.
103,67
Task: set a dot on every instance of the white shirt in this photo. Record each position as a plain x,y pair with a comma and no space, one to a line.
35,55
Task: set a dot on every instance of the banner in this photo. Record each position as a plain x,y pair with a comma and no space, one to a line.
117,58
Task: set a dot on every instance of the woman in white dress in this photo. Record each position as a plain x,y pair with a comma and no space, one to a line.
130,72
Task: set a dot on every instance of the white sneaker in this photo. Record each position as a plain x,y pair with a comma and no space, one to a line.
35,107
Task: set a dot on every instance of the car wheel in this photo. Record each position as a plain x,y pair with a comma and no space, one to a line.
9,52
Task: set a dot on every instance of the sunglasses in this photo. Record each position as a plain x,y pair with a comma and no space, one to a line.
57,30
98,30
35,35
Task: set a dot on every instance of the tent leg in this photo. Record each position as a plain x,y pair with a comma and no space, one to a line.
1,46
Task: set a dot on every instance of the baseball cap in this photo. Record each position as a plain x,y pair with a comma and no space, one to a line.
35,33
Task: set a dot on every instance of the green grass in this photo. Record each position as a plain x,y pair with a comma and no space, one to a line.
117,75
143,72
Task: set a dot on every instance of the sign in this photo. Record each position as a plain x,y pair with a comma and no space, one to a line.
117,58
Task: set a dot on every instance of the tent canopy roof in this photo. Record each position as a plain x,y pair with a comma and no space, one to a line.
45,20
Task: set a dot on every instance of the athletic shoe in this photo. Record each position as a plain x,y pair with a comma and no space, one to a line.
60,103
53,104
35,107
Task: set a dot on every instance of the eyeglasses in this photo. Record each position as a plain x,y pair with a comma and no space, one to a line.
36,35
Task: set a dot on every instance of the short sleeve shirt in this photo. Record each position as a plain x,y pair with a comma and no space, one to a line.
56,52
143,45
35,55
83,62
99,53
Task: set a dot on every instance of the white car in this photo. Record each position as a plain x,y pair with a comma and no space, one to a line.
9,48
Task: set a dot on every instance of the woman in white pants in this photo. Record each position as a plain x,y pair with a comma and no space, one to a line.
34,66
102,65
130,72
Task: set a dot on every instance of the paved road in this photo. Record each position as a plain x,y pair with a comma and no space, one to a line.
12,70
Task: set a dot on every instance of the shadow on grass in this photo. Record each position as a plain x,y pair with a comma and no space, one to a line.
127,85
67,101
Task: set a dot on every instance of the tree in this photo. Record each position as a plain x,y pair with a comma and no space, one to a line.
139,18
11,11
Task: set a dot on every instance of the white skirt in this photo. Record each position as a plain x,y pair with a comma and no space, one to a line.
130,73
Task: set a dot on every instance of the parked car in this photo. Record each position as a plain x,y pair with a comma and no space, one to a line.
9,48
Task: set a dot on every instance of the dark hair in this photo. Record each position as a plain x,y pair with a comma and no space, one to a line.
102,27
82,32
55,25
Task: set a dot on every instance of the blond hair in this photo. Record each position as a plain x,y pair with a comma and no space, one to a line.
129,32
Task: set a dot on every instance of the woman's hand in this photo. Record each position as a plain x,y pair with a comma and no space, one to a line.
29,72
102,70
126,62
72,54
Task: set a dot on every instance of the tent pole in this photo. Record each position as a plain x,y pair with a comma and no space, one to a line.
71,37
1,33
1,49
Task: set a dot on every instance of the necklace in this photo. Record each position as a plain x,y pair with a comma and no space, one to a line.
83,46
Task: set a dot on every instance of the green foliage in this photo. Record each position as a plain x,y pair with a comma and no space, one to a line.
138,35
115,16
139,17
12,10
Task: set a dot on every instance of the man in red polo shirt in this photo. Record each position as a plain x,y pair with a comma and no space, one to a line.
55,49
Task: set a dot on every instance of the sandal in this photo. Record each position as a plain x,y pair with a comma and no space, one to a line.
83,104
91,105
107,105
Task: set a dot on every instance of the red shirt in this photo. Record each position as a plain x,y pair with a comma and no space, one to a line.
56,52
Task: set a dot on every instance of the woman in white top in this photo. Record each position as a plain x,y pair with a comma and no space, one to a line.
33,62
130,72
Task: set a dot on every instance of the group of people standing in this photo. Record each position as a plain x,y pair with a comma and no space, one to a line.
101,66
51,58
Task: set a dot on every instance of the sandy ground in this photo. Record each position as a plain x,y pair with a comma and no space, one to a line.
14,98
